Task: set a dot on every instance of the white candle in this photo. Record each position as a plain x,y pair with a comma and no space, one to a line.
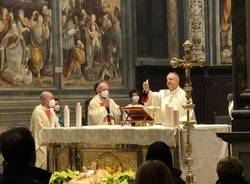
78,114
52,118
176,118
169,116
66,114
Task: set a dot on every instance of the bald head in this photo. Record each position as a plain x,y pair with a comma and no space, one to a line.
173,81
45,97
102,86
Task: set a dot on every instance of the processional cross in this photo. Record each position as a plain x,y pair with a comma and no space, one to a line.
187,63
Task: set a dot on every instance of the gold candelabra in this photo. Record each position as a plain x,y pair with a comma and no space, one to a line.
187,63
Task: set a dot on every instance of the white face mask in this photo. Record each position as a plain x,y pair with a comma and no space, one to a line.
135,99
52,103
104,94
57,108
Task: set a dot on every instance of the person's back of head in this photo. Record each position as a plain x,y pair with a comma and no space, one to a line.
152,172
228,167
17,146
160,151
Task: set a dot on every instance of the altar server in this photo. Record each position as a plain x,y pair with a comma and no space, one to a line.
102,109
174,97
41,118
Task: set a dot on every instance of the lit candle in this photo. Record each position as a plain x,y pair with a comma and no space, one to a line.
78,114
66,114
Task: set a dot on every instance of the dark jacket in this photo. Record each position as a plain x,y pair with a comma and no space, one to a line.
24,174
231,180
176,173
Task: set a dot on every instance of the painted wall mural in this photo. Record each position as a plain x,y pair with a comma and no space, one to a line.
91,40
91,43
25,44
225,32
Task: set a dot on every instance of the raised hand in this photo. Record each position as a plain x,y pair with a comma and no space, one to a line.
145,86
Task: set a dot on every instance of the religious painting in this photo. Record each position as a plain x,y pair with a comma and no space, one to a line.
25,44
91,41
225,32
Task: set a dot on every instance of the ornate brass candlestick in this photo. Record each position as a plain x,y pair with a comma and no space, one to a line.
187,64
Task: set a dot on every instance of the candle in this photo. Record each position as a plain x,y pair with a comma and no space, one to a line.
78,114
169,116
176,118
52,120
66,114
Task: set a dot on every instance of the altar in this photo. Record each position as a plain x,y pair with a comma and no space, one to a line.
123,147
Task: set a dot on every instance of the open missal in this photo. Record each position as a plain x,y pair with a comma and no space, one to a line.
137,113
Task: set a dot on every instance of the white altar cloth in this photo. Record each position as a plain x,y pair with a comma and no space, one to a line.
106,134
207,147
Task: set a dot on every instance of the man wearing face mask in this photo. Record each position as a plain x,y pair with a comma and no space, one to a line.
102,110
40,118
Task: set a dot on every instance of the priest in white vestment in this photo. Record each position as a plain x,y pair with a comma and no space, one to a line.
173,97
102,110
41,117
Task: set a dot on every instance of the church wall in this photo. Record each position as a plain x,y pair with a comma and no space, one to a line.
173,22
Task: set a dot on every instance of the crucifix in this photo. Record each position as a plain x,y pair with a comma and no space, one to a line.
187,63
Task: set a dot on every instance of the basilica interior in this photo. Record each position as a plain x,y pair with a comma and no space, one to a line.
67,46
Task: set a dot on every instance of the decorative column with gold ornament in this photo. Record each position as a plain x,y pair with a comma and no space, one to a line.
187,63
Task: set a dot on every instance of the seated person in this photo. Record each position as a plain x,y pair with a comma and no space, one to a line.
153,172
174,97
18,150
230,171
102,109
161,151
57,110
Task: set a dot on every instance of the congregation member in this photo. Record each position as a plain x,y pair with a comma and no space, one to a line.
152,172
161,151
18,150
230,171
174,97
40,118
102,109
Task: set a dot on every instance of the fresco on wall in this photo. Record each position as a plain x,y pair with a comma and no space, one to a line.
25,43
225,32
91,37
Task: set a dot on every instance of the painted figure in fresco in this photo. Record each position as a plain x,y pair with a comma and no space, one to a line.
39,36
4,22
24,26
68,37
13,58
77,59
226,33
94,35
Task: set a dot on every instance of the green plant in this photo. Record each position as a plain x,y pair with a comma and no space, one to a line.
119,178
63,177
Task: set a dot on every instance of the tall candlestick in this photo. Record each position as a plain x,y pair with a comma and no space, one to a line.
78,114
66,114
